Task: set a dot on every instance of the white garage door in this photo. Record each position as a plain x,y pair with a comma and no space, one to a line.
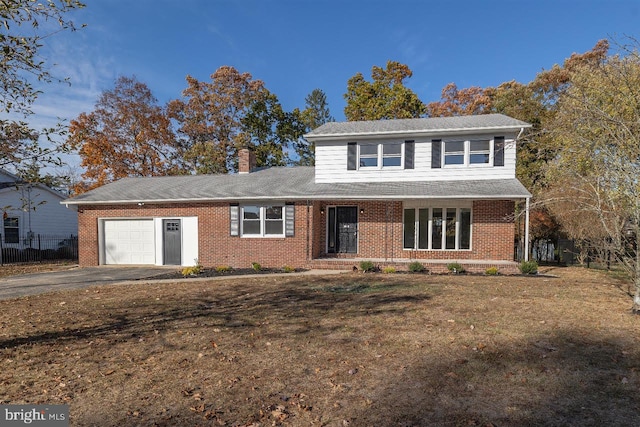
129,241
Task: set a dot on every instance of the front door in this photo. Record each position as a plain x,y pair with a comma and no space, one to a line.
172,241
343,229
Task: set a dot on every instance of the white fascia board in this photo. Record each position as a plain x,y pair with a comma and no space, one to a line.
411,134
280,199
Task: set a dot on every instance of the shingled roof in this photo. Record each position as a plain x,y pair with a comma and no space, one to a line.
287,184
426,126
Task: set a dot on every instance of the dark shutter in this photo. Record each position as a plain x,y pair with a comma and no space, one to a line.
436,153
234,215
289,220
498,151
352,156
409,150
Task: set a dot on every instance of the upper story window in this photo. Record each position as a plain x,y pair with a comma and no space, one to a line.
391,154
454,152
368,155
474,152
479,152
380,155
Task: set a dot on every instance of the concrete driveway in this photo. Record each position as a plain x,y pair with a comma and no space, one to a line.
77,278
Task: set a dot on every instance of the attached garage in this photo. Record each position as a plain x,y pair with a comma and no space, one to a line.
129,241
148,241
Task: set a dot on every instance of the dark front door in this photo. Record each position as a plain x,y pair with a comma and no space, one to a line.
343,229
172,241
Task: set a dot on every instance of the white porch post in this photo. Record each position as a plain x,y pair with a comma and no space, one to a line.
526,229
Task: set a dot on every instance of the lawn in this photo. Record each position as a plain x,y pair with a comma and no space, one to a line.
349,350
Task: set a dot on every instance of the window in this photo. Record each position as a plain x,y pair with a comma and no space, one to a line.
391,154
262,221
454,153
377,156
474,152
368,155
437,228
479,152
11,230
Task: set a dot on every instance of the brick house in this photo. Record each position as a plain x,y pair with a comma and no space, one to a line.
393,191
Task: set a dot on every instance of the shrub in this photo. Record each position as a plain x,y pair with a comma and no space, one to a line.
223,269
288,269
455,267
191,271
256,266
367,266
528,267
389,270
416,267
491,271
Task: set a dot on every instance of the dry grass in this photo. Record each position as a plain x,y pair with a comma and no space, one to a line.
357,350
26,268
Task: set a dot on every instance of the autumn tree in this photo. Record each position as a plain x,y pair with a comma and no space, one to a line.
24,24
270,131
461,102
593,179
385,97
128,134
315,114
209,119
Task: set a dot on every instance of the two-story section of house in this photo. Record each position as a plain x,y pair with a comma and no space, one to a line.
390,191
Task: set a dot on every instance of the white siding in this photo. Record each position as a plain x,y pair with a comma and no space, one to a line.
331,164
46,216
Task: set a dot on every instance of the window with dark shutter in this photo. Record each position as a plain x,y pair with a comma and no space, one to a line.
436,153
409,150
234,215
289,220
352,156
498,151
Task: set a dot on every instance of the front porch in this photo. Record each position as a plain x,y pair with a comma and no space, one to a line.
402,264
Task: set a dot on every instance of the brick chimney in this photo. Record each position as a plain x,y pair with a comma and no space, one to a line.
246,160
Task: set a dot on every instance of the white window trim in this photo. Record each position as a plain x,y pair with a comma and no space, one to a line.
381,157
368,156
263,210
467,153
458,207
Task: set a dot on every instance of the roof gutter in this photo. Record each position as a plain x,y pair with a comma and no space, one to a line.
410,134
299,198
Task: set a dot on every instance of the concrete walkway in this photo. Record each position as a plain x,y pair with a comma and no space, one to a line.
80,278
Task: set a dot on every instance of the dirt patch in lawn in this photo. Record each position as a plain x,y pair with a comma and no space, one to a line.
353,349
28,268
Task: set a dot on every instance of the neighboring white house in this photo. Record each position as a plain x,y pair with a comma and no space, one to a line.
29,210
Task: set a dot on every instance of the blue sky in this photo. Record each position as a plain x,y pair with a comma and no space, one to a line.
297,46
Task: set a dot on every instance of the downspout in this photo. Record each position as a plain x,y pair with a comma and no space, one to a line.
526,228
526,213
308,256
